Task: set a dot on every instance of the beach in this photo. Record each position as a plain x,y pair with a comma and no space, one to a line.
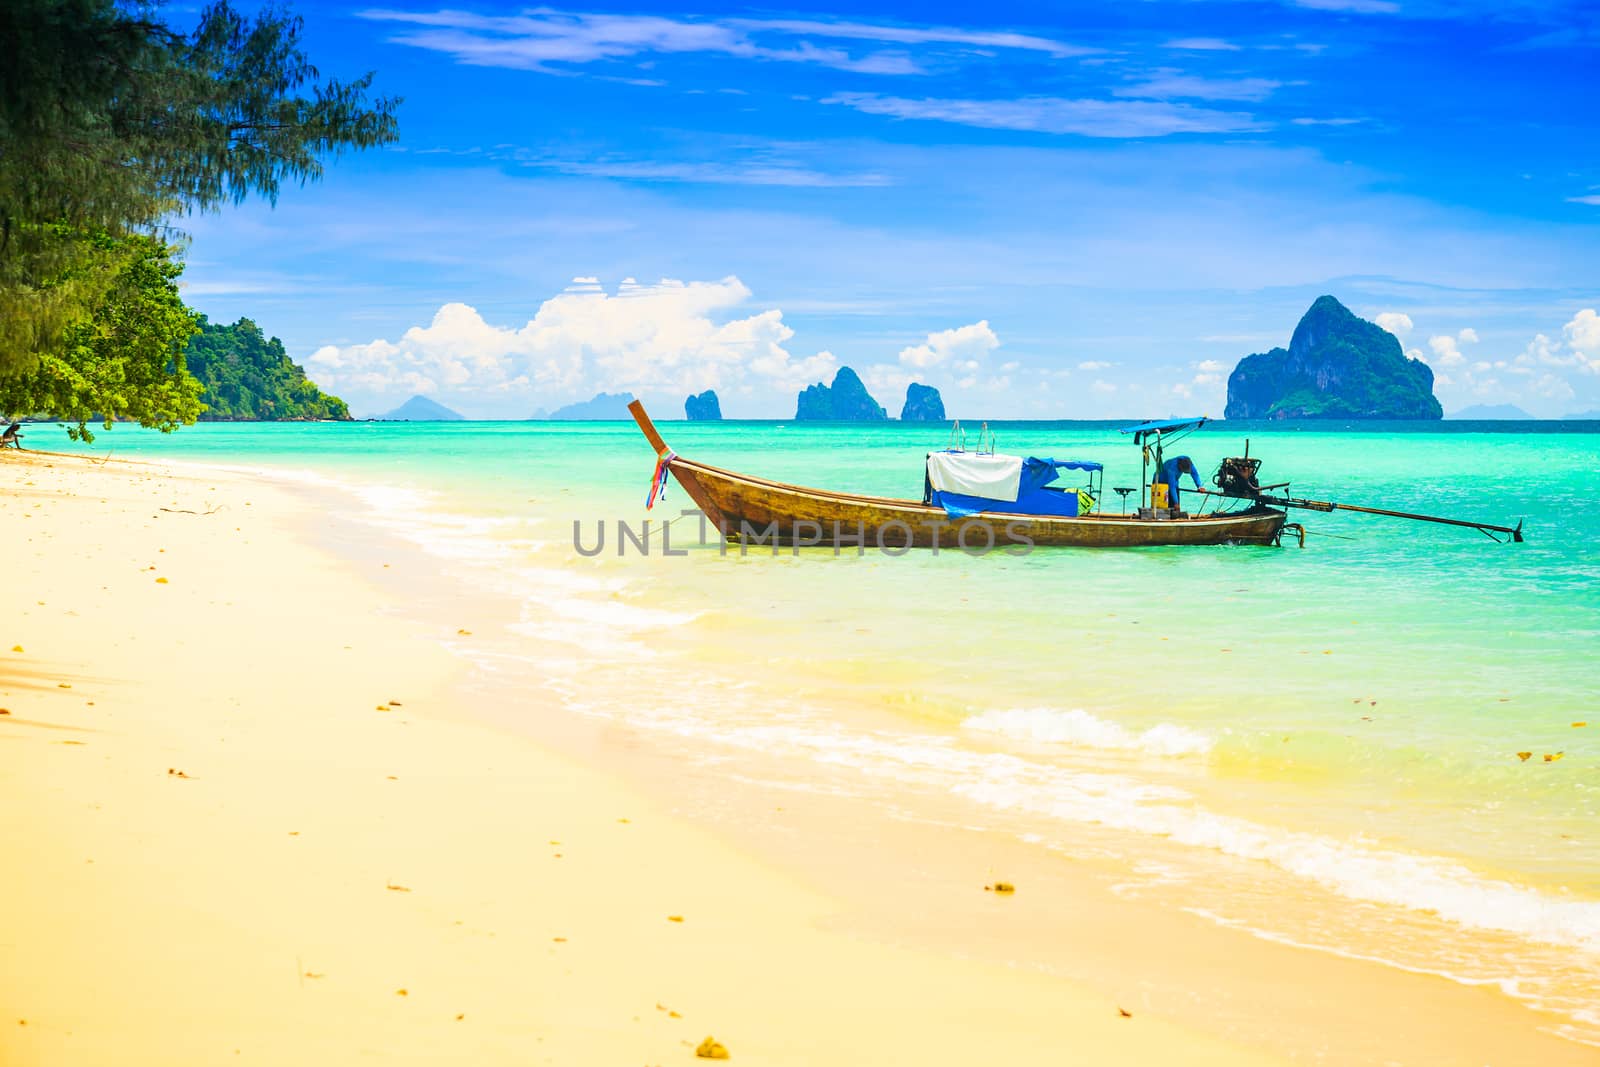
269,801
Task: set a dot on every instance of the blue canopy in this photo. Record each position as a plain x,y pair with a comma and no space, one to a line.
1164,426
1032,496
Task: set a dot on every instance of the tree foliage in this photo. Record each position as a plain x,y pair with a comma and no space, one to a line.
113,123
246,375
126,361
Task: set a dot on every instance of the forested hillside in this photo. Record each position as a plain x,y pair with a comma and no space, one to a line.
247,375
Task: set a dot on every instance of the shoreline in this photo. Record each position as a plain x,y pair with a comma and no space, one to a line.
849,903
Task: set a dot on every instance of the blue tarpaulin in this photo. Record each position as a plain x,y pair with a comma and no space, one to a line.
1033,498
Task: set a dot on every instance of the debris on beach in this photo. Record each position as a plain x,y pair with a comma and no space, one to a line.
1124,1012
16,648
1551,757
674,918
1000,887
1524,756
464,633
173,772
711,1049
397,888
401,993
161,581
1575,725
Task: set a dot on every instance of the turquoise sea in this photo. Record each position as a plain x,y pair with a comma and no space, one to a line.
1342,721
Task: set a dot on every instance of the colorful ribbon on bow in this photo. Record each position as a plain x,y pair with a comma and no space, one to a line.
658,480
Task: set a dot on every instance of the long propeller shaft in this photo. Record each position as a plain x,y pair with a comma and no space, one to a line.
1515,532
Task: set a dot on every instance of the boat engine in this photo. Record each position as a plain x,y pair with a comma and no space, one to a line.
1236,476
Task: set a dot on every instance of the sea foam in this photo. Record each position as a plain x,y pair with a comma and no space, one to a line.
1079,728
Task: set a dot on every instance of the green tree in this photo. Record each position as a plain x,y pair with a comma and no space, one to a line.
112,123
247,375
126,361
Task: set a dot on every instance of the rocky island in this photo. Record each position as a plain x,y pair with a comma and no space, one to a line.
421,409
846,401
1337,366
923,404
703,408
604,407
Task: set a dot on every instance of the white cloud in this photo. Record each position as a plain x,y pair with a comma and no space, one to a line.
1210,366
1360,7
667,337
1106,387
1592,198
1445,352
540,39
758,171
1203,44
964,345
1468,336
1093,364
1396,322
915,35
1051,114
1167,85
1583,335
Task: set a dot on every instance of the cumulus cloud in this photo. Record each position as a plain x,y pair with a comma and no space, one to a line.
962,345
1093,364
1446,352
672,336
1396,322
1583,337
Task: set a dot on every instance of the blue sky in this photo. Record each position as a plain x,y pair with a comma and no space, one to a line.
1062,211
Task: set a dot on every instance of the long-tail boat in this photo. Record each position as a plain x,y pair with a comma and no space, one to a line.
972,501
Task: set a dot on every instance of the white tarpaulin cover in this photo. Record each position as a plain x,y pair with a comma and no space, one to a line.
971,474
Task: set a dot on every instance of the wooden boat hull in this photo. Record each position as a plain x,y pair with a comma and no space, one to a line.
757,511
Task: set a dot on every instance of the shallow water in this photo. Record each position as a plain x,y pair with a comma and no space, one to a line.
1343,719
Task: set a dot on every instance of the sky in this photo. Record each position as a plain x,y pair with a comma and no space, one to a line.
1046,211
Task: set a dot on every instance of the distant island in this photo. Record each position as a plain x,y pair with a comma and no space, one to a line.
1584,415
420,409
247,376
1337,366
847,400
1491,412
703,408
604,406
923,404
